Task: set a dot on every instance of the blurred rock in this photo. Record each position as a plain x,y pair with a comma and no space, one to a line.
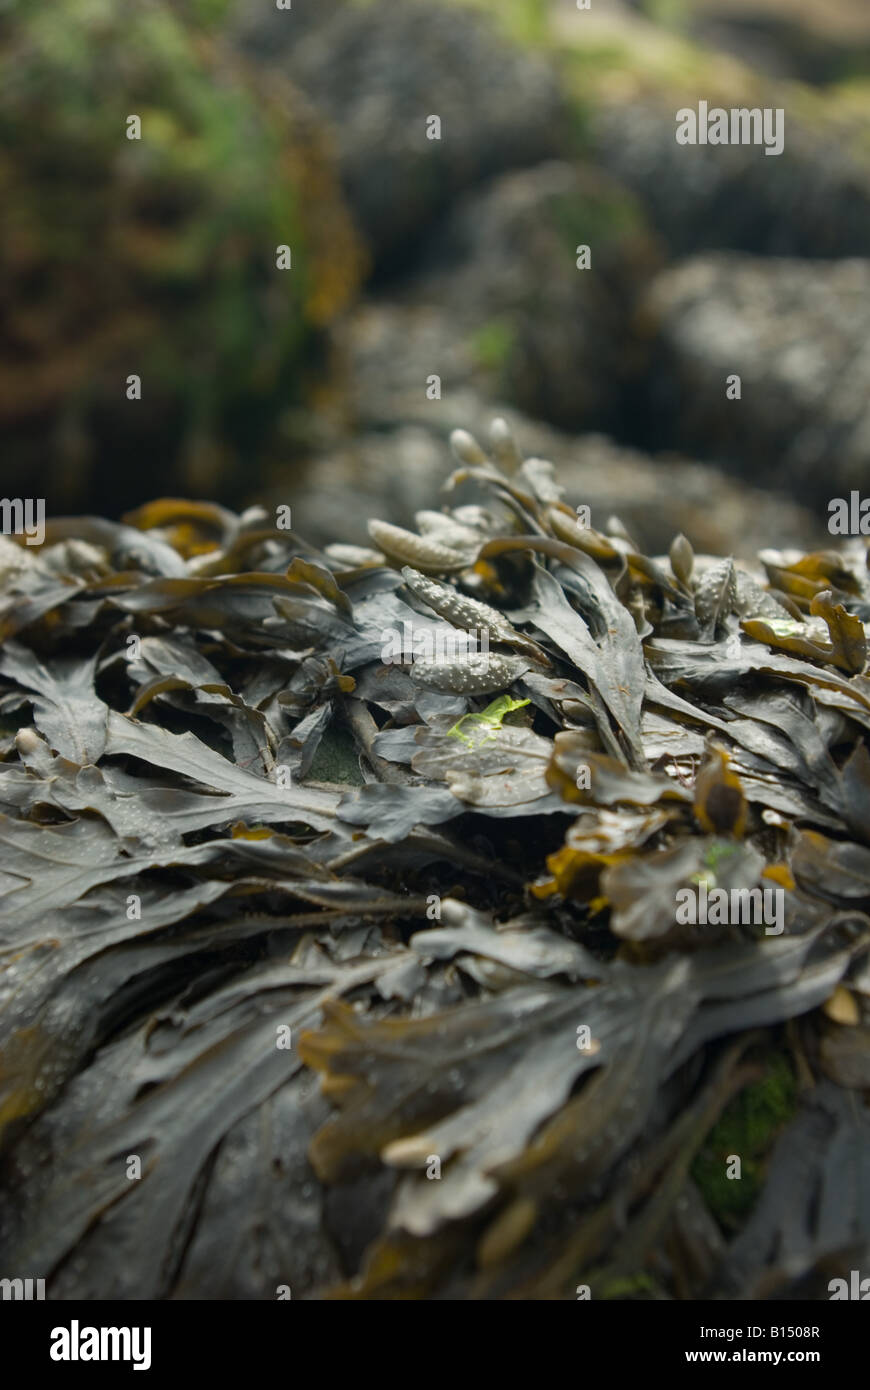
378,71
395,472
268,33
627,78
554,339
794,38
500,306
798,335
813,199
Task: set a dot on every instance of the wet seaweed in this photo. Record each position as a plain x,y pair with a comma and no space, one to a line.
368,962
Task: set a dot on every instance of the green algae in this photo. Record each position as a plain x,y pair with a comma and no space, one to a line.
747,1129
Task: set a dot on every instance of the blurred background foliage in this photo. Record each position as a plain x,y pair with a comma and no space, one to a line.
306,127
155,256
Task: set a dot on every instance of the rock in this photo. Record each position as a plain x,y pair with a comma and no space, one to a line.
627,78
499,305
813,199
267,33
795,38
392,347
393,473
378,72
555,339
798,335
386,475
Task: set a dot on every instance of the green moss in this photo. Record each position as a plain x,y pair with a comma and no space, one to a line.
336,760
713,857
630,1287
157,256
748,1128
524,21
671,14
491,346
664,67
208,12
599,216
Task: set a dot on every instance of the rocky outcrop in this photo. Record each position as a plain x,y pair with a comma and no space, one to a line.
793,38
377,73
500,306
797,334
537,277
811,200
392,473
626,78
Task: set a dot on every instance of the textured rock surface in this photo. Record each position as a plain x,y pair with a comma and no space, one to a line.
813,199
799,38
377,72
402,467
500,306
626,78
534,328
798,335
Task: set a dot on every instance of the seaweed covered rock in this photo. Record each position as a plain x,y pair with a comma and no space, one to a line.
378,72
154,256
593,905
796,333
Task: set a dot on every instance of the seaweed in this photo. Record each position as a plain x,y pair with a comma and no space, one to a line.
462,986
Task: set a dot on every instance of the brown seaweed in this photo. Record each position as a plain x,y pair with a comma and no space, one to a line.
243,848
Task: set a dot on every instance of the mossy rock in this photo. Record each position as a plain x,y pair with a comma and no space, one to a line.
541,327
154,256
797,38
794,331
624,77
524,21
378,71
626,84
